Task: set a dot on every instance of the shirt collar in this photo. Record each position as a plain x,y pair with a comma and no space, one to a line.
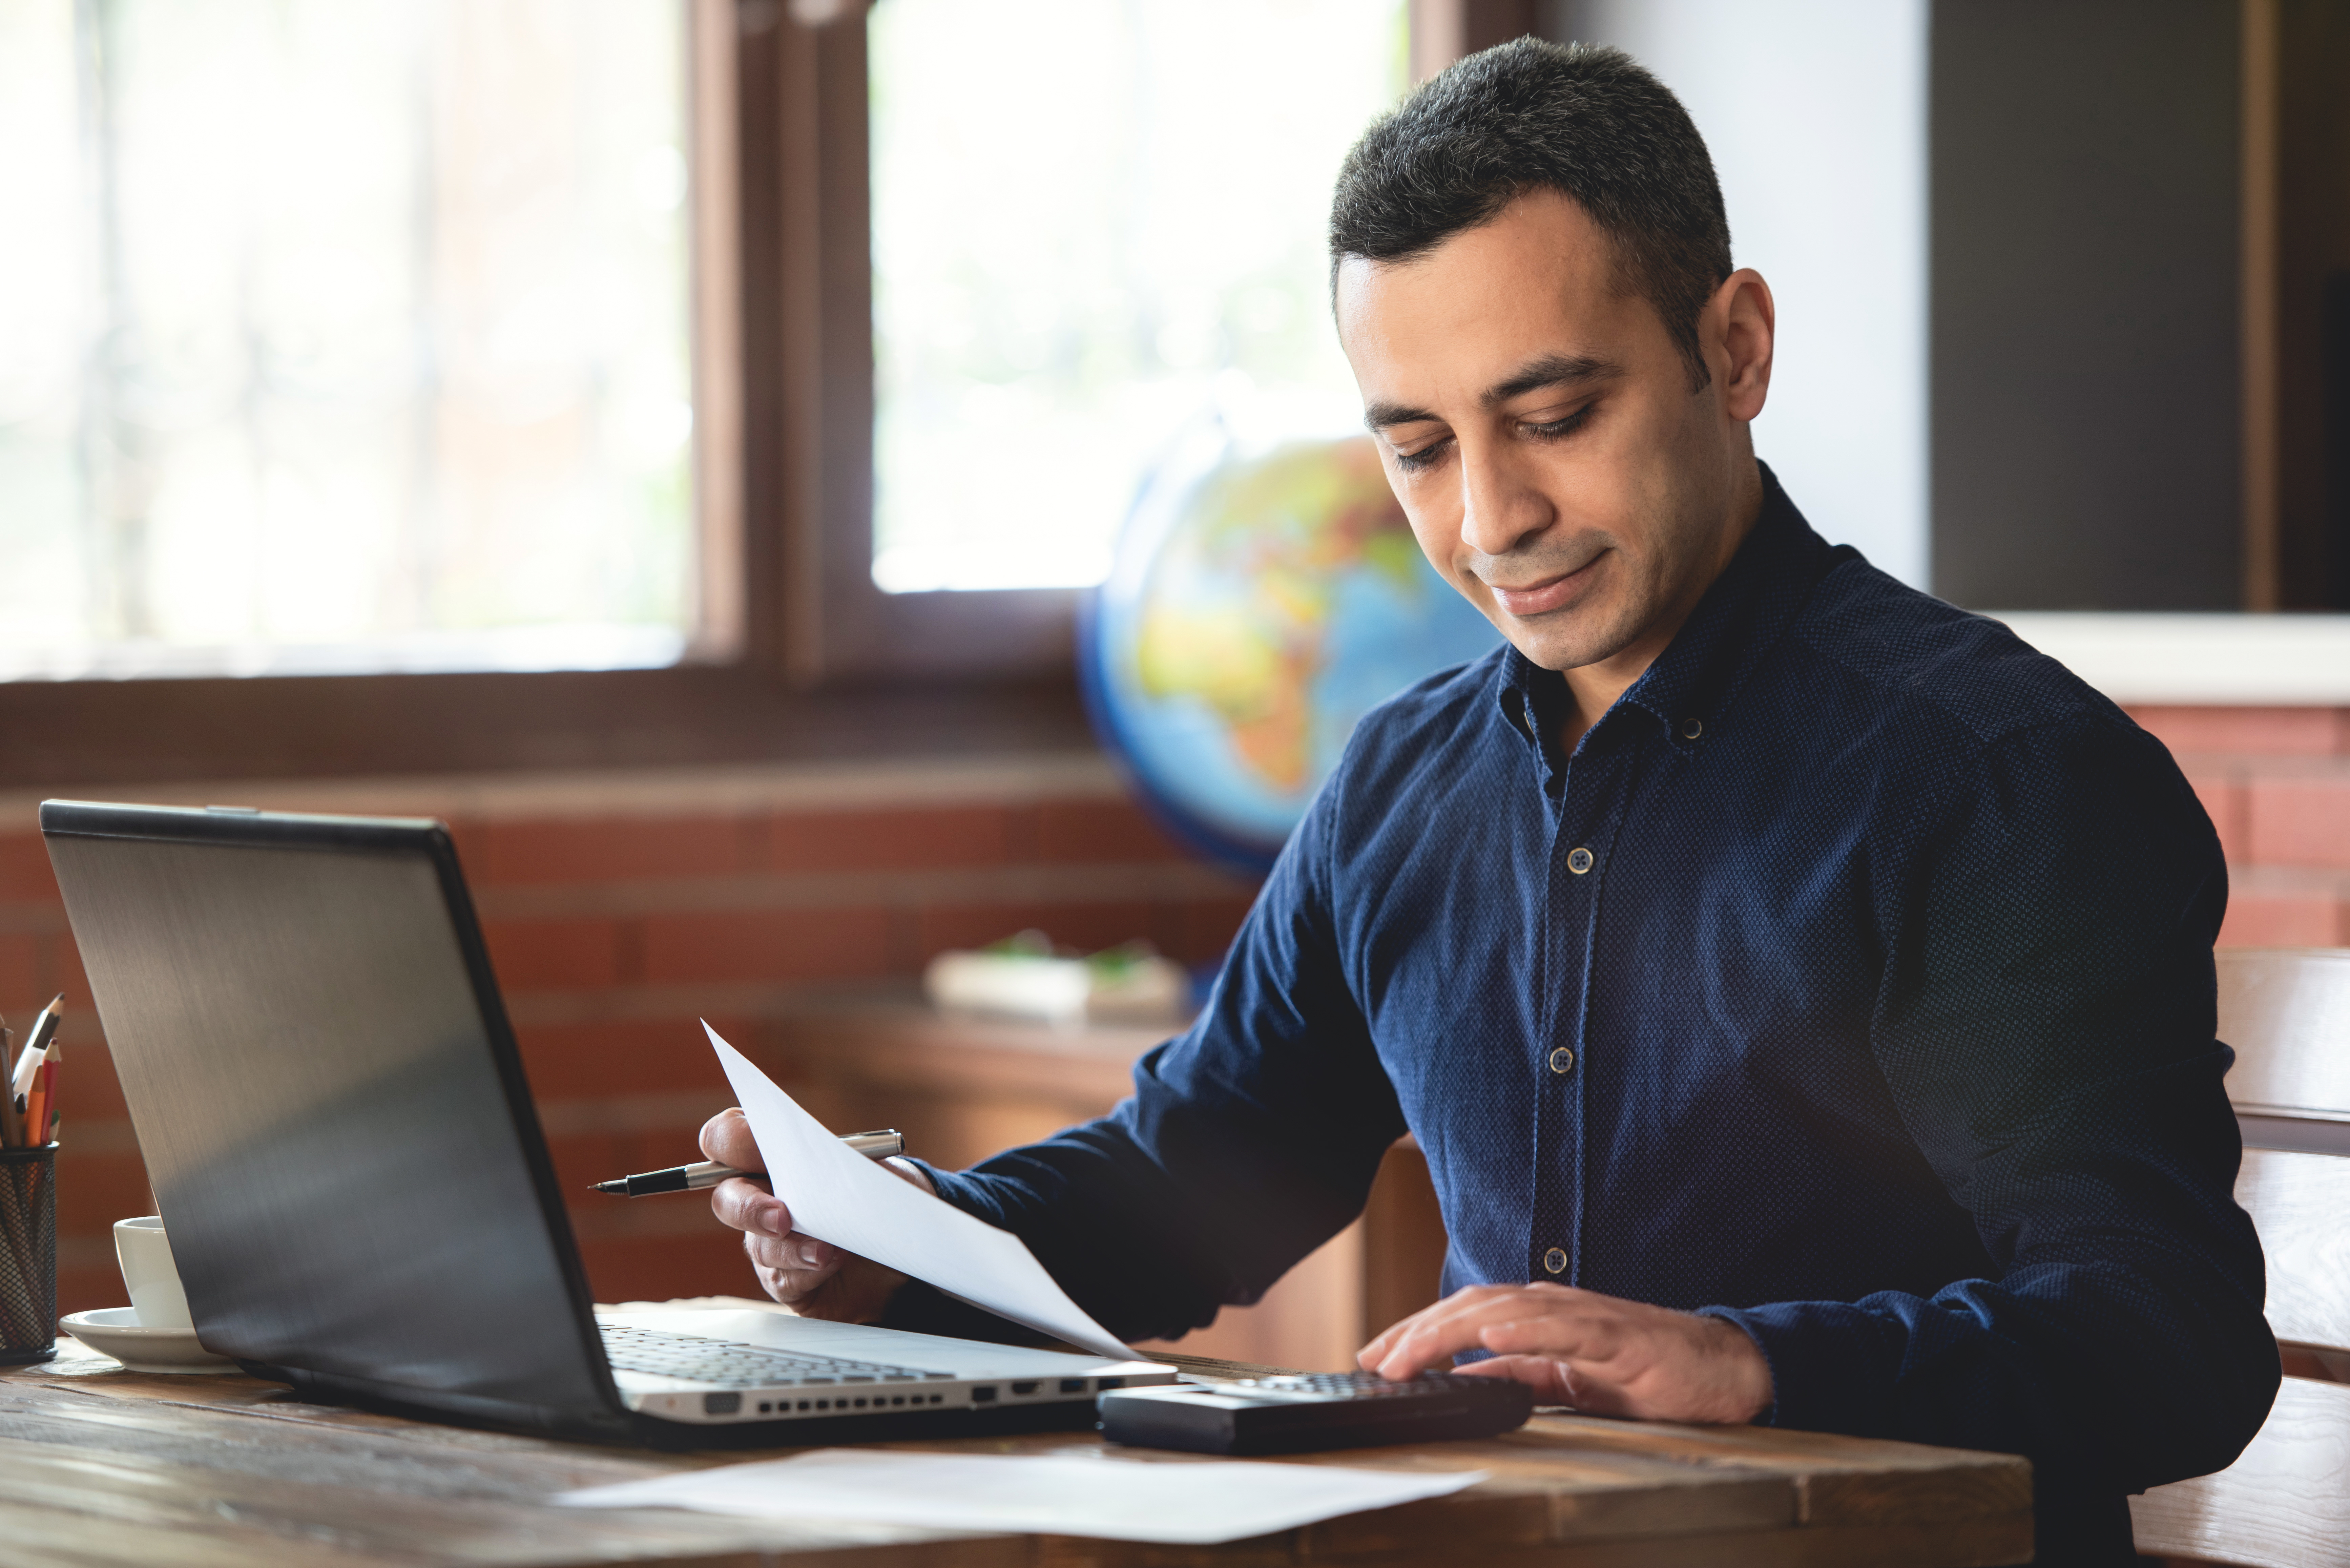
1692,683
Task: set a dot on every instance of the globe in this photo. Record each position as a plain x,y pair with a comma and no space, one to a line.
1259,603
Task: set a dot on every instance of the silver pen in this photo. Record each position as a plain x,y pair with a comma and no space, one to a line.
879,1144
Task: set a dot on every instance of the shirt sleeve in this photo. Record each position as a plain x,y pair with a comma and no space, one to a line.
1248,1140
2046,1023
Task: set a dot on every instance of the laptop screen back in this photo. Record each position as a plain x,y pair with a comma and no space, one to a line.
327,1101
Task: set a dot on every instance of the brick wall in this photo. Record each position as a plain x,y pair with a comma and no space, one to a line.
618,911
621,909
2277,783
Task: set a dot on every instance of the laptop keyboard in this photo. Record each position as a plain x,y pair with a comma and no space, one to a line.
732,1363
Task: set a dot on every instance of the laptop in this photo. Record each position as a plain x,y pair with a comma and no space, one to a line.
345,1152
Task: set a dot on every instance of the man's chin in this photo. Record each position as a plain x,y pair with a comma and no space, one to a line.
1590,626
1563,639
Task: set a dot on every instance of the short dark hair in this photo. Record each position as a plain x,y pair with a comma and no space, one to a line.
1587,121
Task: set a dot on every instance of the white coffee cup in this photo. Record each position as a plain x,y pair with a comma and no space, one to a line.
145,1254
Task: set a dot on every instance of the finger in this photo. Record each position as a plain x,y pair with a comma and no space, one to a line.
1575,1335
792,1289
787,1284
1446,1330
1468,1302
1377,1350
1551,1381
768,1234
746,1205
793,1252
777,1284
726,1138
1426,1326
1385,1340
855,1293
714,1130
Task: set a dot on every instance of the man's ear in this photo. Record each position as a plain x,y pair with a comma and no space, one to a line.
1738,327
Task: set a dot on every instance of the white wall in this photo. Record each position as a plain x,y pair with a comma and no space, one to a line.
1815,113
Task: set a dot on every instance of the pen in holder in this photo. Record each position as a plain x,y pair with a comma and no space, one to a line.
28,1254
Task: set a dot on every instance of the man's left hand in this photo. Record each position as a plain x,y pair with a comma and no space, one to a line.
1596,1353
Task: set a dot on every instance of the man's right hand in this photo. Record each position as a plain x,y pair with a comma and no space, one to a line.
815,1279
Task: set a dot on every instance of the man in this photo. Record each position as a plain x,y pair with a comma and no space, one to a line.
1803,990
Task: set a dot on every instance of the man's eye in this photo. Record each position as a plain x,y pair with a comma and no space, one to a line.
1551,430
1425,457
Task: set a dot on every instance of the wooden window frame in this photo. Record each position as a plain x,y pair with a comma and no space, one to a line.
797,653
806,215
808,335
790,659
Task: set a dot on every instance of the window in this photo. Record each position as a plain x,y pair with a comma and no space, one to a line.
555,540
345,336
1091,225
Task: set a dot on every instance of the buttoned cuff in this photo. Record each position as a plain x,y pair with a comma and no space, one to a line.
1833,1364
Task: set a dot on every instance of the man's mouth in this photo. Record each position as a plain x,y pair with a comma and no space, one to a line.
1547,594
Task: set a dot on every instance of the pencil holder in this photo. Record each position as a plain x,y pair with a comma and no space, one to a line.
28,1254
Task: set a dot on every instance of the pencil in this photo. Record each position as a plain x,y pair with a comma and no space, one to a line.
32,1084
37,1103
36,1045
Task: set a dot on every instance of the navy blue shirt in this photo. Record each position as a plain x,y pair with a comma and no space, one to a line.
1851,980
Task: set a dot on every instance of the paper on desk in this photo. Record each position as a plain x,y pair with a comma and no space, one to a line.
1189,1504
839,1196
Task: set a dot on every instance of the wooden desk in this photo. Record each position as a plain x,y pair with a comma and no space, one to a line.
101,1466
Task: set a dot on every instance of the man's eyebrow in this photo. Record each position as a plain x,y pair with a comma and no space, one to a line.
1550,370
1379,416
1553,371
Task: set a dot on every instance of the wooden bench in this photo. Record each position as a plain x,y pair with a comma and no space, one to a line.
2286,1501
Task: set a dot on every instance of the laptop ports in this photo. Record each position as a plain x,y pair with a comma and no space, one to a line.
1073,1384
1018,1388
722,1404
983,1394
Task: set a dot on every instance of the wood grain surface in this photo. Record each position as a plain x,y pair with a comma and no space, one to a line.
103,1466
2300,1203
2285,1504
2286,1011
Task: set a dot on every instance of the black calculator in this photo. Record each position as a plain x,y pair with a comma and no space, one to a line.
1305,1412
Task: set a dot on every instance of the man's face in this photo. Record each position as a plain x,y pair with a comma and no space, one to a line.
1539,428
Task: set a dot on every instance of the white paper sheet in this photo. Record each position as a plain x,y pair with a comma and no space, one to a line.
837,1195
1189,1504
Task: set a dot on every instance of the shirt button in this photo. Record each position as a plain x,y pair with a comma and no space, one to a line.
1562,1060
1578,860
1691,729
1555,1261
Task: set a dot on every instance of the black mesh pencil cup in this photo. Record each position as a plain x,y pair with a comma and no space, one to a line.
28,1254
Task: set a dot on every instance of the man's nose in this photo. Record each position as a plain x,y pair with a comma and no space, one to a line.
1500,504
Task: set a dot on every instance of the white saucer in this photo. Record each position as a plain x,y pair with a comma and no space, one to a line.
117,1332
